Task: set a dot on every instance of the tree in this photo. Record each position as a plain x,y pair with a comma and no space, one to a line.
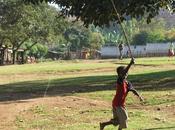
38,51
96,41
101,12
78,37
156,36
140,38
20,23
113,34
11,24
156,24
170,35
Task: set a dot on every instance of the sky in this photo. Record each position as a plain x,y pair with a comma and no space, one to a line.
54,5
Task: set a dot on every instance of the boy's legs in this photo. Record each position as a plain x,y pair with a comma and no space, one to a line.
122,116
111,122
102,125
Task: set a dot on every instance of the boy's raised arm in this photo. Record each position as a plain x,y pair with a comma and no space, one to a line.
129,65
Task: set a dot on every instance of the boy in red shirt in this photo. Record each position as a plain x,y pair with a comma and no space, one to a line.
120,115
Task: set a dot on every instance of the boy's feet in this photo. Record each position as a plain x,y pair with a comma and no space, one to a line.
102,126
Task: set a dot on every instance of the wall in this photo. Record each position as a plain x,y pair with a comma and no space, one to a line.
150,49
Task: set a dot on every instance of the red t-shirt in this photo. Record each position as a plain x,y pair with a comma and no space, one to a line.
121,93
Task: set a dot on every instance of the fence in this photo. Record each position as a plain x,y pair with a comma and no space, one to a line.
148,50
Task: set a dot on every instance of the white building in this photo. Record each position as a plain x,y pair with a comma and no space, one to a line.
150,49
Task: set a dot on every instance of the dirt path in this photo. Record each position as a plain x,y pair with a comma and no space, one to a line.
9,110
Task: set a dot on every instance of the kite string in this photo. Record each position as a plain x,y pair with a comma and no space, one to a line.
48,85
124,32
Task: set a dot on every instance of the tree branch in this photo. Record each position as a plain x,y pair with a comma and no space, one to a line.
28,48
21,44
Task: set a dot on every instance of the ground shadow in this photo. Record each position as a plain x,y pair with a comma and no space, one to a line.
161,128
68,86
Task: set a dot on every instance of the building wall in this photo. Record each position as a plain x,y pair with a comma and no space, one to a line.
150,49
157,48
109,51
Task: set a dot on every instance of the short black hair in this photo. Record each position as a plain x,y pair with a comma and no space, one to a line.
120,69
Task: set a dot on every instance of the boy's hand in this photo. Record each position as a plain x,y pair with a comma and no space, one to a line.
141,99
132,61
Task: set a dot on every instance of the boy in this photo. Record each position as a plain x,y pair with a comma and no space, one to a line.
120,115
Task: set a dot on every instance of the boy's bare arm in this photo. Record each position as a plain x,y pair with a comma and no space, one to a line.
129,65
137,94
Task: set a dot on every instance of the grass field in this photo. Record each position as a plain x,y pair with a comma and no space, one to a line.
76,95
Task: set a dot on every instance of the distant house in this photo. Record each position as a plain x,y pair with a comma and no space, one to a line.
92,54
95,54
84,54
6,56
54,55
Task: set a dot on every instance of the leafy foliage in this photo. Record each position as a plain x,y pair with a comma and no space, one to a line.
101,12
37,51
77,37
30,23
20,23
155,32
140,38
97,41
170,35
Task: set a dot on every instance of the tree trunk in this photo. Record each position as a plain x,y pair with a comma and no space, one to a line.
22,59
1,53
68,54
2,57
14,56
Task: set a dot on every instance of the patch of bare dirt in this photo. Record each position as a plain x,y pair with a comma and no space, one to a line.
10,109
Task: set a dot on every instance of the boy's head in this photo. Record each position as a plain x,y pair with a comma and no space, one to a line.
121,72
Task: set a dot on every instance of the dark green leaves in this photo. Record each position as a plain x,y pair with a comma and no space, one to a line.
101,12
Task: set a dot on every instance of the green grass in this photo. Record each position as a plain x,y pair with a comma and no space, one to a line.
151,98
73,66
88,119
93,80
52,67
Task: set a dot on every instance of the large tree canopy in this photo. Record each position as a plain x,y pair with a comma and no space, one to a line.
23,26
101,12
